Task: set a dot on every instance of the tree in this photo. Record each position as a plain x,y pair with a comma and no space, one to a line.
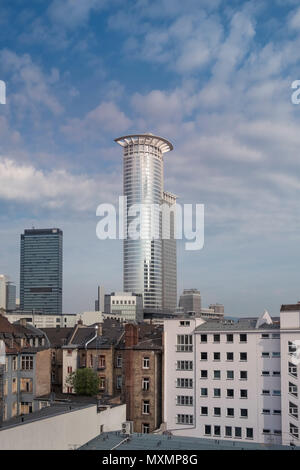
84,382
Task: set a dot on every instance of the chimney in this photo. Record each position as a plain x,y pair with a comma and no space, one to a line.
131,335
23,322
99,329
80,322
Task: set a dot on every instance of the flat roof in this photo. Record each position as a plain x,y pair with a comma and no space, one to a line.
136,441
145,139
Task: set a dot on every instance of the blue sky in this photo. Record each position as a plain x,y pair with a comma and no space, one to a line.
212,76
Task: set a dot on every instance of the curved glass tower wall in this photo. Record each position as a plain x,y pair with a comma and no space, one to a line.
143,184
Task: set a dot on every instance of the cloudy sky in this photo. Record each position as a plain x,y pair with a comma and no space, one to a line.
212,76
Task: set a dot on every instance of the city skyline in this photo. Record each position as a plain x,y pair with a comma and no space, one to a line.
213,77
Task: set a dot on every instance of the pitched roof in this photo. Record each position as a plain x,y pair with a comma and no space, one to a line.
290,307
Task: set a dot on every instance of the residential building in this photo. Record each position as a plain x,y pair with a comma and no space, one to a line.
41,270
40,320
141,354
26,374
143,184
190,301
126,305
223,379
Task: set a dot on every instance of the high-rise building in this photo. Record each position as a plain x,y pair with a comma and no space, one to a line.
169,259
99,302
143,266
190,301
10,296
3,280
41,270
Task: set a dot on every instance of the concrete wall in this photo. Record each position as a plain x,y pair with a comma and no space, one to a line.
62,432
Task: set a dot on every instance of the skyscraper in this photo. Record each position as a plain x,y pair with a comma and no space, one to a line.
143,266
41,270
190,301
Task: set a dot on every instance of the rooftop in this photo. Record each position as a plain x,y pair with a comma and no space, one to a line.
145,139
108,441
242,324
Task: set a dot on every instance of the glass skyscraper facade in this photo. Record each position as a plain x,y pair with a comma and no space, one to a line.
41,270
143,184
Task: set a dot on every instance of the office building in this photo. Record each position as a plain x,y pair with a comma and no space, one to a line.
3,280
234,380
99,302
169,258
125,305
41,270
143,183
190,301
10,296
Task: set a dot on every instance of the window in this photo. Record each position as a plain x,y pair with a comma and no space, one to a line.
184,323
183,400
184,383
217,356
203,392
230,412
265,411
276,354
243,338
203,374
14,363
217,374
265,336
292,369
292,348
229,356
69,369
243,375
293,389
204,410
276,393
266,431
146,362
230,393
184,343
228,431
145,383
217,431
266,373
26,385
145,407
275,335
203,356
276,373
145,428
238,432
229,338
27,362
266,392
217,411
26,407
101,362
203,338
249,433
119,361
293,409
276,412
217,392
230,374
294,430
185,419
243,356
69,389
119,382
216,338
14,385
184,365
69,352
244,413
265,354
102,383
243,393
207,430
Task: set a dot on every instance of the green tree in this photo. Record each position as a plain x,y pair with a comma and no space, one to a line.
84,382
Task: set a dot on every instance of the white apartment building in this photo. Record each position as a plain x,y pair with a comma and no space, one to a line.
233,380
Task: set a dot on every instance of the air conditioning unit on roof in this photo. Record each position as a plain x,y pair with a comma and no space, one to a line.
127,428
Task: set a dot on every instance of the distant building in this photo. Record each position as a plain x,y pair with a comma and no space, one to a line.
40,320
41,270
3,280
217,308
169,257
10,296
124,304
190,301
99,303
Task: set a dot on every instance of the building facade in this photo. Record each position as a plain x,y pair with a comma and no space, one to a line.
143,185
227,380
126,305
190,301
41,270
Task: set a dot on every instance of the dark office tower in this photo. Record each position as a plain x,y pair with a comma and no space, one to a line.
41,270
